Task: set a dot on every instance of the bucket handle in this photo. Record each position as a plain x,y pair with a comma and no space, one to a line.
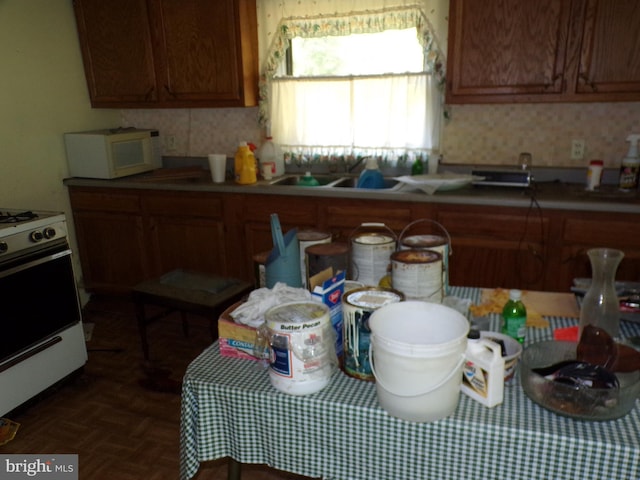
438,224
431,389
276,234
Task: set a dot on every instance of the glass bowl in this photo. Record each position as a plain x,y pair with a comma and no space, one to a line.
581,403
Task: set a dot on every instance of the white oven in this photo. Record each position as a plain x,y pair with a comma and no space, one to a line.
40,321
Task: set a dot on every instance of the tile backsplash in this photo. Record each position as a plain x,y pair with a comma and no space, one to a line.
496,134
473,134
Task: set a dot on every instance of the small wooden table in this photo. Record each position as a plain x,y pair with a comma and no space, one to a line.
186,292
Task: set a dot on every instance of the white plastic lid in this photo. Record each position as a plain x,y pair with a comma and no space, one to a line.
515,295
242,144
372,163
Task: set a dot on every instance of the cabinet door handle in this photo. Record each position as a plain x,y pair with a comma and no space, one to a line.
585,80
574,257
169,91
553,81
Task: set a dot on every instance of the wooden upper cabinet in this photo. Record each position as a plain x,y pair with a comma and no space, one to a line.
506,47
167,53
510,51
115,40
609,58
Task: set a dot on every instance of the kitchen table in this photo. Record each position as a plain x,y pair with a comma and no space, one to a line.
229,409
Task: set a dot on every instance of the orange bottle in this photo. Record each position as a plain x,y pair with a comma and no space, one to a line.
245,165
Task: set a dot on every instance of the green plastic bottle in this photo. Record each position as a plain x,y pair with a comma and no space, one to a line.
514,317
417,168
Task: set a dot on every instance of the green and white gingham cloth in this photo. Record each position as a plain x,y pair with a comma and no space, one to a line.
230,409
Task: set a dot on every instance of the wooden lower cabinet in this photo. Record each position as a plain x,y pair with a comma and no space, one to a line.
585,230
495,247
111,240
125,236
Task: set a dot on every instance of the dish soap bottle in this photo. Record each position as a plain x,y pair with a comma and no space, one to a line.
371,176
308,181
630,167
483,370
245,165
514,316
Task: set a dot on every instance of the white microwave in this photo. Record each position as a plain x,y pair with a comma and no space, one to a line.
112,153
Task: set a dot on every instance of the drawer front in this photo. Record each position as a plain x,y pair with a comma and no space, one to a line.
105,201
184,205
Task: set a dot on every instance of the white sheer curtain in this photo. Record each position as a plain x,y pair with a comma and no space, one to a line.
390,116
391,112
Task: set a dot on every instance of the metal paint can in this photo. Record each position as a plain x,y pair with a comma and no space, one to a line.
328,255
418,274
302,347
259,273
357,307
370,252
438,243
307,238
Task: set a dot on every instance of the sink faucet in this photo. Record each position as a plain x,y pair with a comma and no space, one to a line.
351,168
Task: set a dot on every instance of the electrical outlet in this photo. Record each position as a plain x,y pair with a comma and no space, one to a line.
170,143
577,149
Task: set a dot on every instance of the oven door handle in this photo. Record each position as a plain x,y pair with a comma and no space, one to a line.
33,263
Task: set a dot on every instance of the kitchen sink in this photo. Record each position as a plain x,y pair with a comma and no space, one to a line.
292,180
352,182
329,181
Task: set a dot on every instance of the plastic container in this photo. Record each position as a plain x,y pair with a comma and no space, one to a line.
483,371
594,174
302,345
270,152
514,317
245,165
371,177
630,167
418,352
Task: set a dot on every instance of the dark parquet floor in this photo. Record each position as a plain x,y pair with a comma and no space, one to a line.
120,429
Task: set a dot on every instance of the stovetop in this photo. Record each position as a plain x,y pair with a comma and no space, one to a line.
21,228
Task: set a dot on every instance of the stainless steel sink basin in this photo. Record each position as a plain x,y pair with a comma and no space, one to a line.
329,181
293,180
352,182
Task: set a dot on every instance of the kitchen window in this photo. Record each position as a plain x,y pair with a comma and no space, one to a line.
380,95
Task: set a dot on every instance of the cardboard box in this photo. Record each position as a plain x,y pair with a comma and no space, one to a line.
329,288
235,340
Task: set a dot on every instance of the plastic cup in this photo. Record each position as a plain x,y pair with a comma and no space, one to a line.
218,166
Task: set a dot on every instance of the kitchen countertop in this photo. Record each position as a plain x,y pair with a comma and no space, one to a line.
547,194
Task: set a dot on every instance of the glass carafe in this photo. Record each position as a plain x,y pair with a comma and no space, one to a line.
600,305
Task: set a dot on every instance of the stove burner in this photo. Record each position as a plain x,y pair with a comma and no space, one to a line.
6,217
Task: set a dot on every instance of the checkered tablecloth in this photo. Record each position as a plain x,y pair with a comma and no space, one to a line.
229,409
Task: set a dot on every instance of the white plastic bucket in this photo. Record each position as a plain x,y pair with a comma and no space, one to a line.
418,352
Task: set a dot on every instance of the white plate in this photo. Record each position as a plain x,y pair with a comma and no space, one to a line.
441,181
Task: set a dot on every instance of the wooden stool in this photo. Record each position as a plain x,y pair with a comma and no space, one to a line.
187,292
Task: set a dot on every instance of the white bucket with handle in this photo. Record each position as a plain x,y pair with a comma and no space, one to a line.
417,352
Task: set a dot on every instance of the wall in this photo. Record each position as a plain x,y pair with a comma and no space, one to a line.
42,95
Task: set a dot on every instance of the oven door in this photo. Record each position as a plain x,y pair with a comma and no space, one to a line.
39,297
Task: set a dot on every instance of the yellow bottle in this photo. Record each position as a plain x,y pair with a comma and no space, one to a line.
245,165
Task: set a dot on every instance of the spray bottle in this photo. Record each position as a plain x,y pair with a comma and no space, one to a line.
630,167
